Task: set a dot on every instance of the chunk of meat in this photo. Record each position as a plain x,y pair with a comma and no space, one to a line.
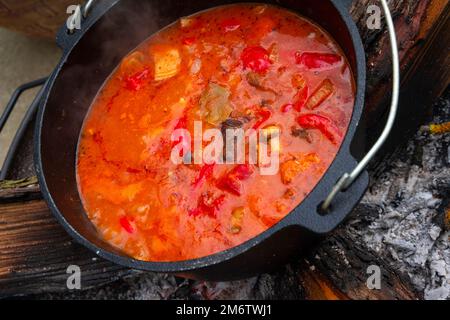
214,103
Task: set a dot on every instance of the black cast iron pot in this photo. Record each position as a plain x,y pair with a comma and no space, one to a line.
111,31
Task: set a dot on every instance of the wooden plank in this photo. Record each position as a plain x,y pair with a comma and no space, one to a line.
35,253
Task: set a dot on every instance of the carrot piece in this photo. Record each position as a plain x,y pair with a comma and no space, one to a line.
322,93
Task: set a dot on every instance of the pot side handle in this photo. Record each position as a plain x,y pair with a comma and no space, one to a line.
348,179
29,115
82,18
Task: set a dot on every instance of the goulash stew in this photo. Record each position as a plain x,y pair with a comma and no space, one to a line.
254,68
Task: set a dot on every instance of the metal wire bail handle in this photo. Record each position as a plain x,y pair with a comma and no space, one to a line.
84,11
348,178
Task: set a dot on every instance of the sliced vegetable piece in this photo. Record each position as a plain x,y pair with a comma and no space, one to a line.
206,171
292,168
215,106
313,60
167,62
231,182
242,172
237,218
126,225
208,205
322,93
263,115
321,123
135,81
256,58
300,98
231,24
189,41
299,83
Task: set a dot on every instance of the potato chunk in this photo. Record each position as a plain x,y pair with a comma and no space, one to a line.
167,62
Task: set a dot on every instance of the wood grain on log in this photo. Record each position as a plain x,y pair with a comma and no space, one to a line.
35,253
34,18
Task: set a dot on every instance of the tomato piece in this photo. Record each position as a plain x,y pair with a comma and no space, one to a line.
189,41
135,81
126,225
313,60
256,58
321,123
205,172
231,24
230,184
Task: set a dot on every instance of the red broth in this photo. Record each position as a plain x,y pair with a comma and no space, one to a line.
248,66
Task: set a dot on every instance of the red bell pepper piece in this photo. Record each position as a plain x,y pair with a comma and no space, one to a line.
126,225
205,172
207,205
301,97
313,60
321,123
230,24
135,81
242,172
231,182
256,58
264,115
